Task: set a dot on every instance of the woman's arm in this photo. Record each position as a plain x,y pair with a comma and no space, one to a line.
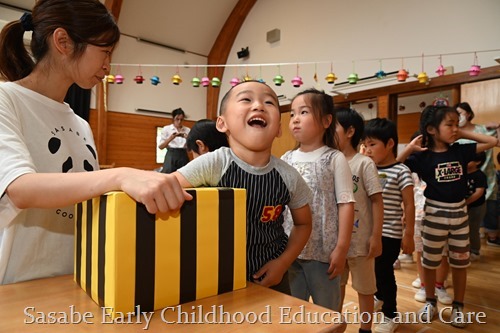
157,191
484,142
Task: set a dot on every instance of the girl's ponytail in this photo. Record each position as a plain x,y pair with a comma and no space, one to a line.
15,61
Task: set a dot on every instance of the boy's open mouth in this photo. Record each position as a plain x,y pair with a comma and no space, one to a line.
257,121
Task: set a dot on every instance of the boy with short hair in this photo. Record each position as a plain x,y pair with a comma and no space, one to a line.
250,117
381,141
366,241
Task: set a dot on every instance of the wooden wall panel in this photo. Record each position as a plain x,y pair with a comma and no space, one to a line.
407,125
131,139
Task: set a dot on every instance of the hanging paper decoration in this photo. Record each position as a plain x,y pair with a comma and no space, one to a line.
278,79
440,70
176,79
297,80
422,76
380,74
155,80
195,81
118,77
353,77
261,80
475,69
110,78
205,81
139,79
247,77
234,81
402,75
315,76
215,82
330,77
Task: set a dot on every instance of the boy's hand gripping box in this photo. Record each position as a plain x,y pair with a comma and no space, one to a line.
126,257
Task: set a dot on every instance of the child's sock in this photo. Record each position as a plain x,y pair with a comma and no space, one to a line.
364,331
457,304
440,285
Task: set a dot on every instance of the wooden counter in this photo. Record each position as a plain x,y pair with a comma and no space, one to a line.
24,305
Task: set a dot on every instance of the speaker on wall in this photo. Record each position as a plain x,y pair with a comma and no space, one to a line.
244,53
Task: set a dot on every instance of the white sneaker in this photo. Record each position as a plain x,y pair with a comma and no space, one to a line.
420,295
474,257
427,313
417,283
406,258
387,325
377,305
457,318
443,297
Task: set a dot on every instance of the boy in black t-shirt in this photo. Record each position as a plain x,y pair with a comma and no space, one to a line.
476,202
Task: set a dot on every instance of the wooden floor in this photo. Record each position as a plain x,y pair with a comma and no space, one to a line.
482,295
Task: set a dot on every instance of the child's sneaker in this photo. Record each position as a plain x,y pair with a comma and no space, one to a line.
427,313
387,325
377,304
475,257
417,283
457,318
406,258
420,295
443,297
397,264
493,241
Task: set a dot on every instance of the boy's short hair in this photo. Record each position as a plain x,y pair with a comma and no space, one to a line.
229,92
348,117
382,129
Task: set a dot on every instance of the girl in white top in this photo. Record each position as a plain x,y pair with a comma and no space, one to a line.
317,271
48,156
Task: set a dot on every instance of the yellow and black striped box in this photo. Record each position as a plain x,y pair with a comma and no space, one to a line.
126,257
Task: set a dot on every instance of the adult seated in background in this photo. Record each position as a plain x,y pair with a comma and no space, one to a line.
490,222
204,137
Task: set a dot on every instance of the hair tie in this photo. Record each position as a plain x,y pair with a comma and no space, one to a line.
27,21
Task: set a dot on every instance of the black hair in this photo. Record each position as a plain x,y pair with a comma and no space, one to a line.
382,129
206,131
229,92
351,118
467,108
480,157
322,107
432,116
85,21
178,112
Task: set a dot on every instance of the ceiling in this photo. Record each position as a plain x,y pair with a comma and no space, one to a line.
189,25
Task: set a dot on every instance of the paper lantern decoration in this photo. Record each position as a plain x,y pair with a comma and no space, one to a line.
422,77
380,74
353,78
247,78
474,70
297,81
195,82
215,82
330,78
139,79
119,79
110,78
155,80
278,80
205,81
440,70
234,81
176,79
402,75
